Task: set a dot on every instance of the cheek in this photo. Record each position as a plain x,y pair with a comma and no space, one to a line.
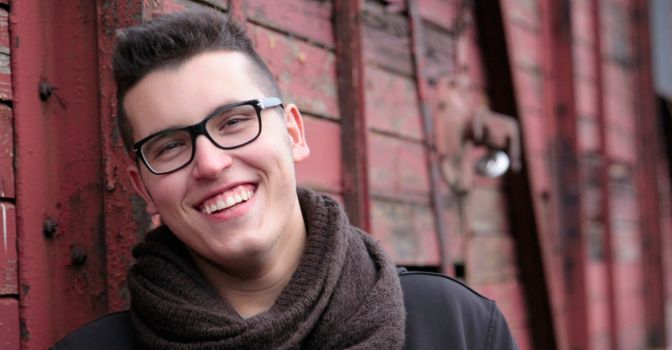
167,192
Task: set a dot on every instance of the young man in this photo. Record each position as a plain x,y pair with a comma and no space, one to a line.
244,259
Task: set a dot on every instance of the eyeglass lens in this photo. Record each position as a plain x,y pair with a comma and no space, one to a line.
229,128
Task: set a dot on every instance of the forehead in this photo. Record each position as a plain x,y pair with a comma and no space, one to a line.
183,95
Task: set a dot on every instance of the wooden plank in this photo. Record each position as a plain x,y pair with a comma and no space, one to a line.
418,50
440,12
349,50
391,104
8,254
398,168
440,53
306,73
6,153
491,259
386,39
649,158
5,68
303,18
406,232
487,212
10,329
322,170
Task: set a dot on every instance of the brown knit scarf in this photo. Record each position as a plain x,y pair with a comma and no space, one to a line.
344,294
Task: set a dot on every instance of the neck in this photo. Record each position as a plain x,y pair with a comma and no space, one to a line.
254,288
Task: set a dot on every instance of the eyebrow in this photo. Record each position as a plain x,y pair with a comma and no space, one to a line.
223,104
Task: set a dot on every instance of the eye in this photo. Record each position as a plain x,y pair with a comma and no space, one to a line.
166,148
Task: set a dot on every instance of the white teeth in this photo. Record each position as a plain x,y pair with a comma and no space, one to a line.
227,202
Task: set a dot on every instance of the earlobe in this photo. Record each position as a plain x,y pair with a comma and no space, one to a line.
140,189
297,136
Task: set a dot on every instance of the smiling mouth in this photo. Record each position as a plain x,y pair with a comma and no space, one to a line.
227,200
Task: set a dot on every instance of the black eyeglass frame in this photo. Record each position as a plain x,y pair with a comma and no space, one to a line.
200,129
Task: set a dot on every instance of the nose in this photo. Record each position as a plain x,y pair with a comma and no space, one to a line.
209,160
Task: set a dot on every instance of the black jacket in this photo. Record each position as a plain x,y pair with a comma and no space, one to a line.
442,313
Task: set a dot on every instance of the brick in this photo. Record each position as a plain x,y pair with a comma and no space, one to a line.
8,252
322,170
306,73
6,153
391,103
10,330
406,232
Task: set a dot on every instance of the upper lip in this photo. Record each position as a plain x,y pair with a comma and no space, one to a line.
223,189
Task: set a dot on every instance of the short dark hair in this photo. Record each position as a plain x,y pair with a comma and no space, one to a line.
170,40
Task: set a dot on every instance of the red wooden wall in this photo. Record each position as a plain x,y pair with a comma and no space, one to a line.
570,247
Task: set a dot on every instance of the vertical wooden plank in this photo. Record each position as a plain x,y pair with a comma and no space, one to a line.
6,152
605,200
539,268
564,149
9,324
237,10
125,218
419,64
350,72
649,151
8,256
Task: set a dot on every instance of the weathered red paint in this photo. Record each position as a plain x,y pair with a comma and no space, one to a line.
58,172
6,152
125,220
350,72
418,53
391,104
401,176
9,324
605,189
319,171
649,157
386,40
406,231
306,74
568,221
8,255
306,19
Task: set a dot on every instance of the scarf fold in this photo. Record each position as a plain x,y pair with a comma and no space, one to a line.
344,294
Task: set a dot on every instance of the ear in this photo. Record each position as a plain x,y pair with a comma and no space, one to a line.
297,136
140,189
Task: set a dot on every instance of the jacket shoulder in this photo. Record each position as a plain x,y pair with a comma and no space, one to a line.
109,332
443,313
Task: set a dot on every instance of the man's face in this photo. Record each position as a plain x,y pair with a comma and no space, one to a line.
183,96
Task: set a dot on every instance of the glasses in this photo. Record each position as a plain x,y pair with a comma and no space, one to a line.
229,127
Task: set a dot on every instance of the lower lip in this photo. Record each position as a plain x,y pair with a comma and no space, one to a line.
234,212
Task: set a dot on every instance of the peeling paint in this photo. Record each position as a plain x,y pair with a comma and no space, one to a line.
5,234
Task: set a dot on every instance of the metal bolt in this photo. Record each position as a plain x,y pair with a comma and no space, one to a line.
45,89
49,228
77,255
